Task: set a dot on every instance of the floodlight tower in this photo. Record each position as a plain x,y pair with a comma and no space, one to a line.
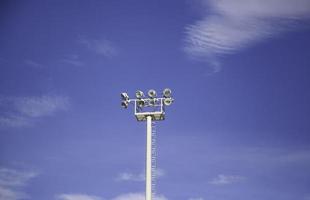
151,108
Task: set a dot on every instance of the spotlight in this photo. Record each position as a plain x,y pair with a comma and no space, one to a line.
152,93
124,104
141,102
125,100
139,94
152,101
167,93
168,101
124,96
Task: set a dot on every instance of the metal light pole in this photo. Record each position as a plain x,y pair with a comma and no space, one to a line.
148,109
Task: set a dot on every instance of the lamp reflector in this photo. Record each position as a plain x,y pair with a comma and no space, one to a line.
168,101
152,93
139,94
152,102
167,93
141,102
124,96
124,104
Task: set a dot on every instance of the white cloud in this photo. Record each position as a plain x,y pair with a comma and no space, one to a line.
230,25
9,194
73,60
226,179
20,111
101,47
125,176
137,196
13,121
128,196
11,182
77,197
33,64
11,177
41,106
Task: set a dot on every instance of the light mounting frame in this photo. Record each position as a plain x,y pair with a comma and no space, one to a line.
152,105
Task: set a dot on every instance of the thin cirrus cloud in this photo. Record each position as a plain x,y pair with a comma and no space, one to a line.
22,111
222,179
137,196
33,63
77,197
73,60
102,47
126,176
128,196
231,25
12,181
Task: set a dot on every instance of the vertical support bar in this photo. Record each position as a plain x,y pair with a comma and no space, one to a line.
148,171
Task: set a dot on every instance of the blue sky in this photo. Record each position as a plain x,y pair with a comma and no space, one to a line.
239,71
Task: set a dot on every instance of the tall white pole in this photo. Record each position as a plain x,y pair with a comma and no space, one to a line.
148,171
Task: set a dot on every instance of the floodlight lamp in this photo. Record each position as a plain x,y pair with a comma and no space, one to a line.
152,102
167,93
139,94
152,93
141,102
125,104
124,96
168,101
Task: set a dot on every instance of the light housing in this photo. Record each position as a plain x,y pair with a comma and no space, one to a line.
125,104
167,93
152,101
141,102
139,94
124,96
152,93
168,101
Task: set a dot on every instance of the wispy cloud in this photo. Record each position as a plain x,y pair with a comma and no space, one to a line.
226,179
9,194
20,111
11,177
33,63
126,176
230,25
101,47
12,181
137,196
77,197
128,196
73,60
12,120
40,106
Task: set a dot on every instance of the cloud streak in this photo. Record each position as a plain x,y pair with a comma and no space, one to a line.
73,60
137,196
126,176
20,111
231,25
101,47
222,179
77,197
127,196
11,182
